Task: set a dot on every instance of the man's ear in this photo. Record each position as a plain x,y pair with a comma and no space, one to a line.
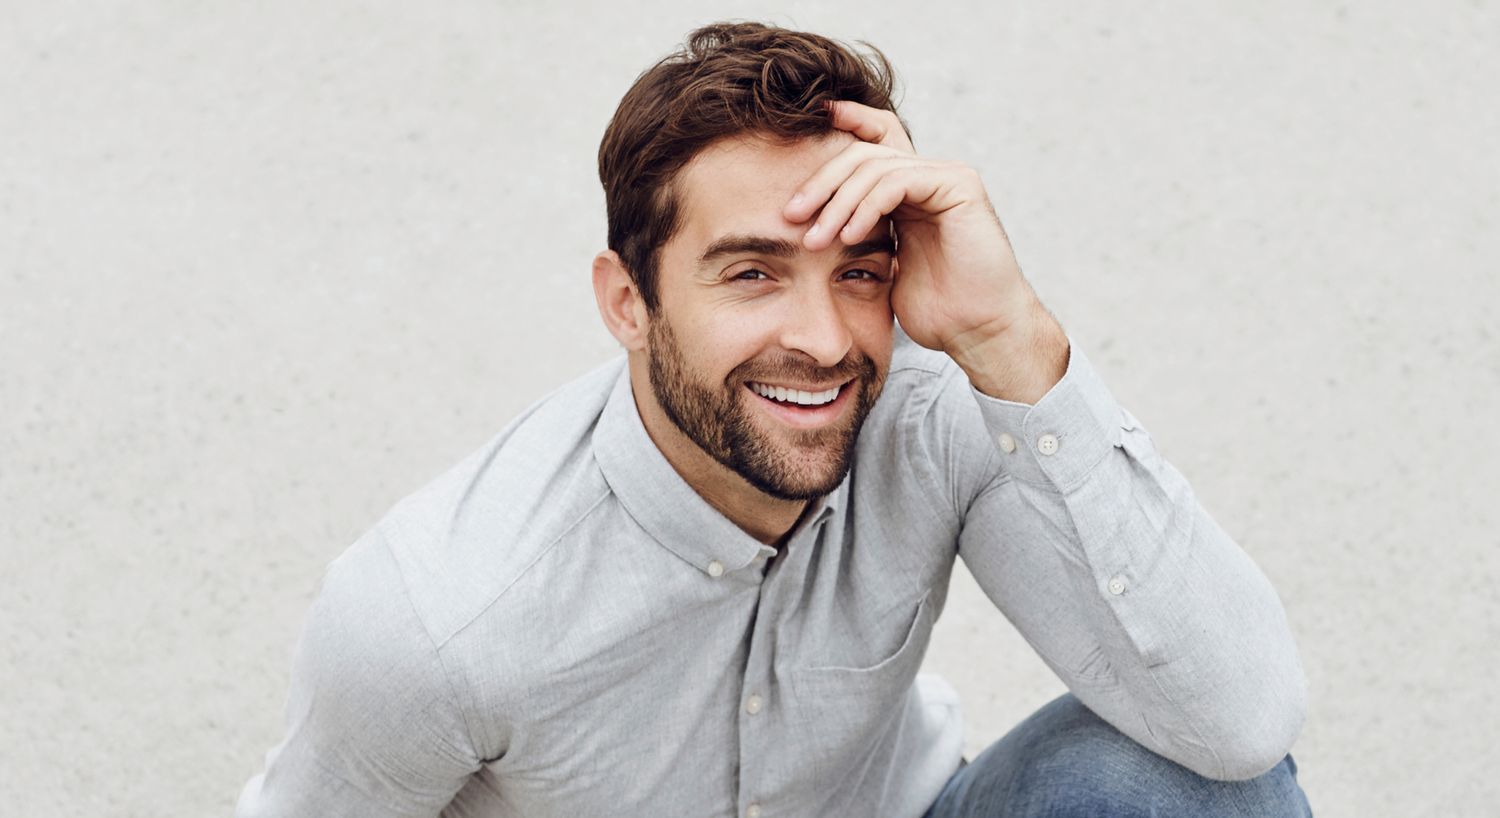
620,303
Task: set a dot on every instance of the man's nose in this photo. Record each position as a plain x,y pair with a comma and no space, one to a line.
817,326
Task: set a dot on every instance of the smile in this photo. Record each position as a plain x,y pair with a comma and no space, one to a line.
782,394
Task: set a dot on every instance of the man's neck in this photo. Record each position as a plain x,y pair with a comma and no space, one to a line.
766,518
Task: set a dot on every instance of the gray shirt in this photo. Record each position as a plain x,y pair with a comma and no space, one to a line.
561,626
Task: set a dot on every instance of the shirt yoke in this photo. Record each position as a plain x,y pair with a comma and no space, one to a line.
463,539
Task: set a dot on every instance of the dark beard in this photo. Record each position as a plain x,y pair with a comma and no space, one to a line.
719,422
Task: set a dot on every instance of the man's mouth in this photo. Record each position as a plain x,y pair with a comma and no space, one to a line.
802,408
794,396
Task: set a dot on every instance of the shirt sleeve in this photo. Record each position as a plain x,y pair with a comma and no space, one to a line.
373,725
1097,550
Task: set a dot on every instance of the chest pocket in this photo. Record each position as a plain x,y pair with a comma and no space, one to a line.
847,710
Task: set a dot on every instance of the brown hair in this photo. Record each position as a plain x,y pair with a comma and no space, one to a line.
729,78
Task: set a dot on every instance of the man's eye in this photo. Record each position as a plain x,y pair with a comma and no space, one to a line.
862,275
750,275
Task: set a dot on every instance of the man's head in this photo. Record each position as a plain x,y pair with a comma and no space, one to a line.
730,79
725,305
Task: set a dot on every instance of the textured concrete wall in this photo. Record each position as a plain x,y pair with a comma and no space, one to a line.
267,267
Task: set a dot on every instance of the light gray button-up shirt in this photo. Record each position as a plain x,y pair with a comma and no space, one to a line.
561,626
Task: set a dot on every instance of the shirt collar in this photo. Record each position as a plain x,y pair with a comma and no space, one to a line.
657,497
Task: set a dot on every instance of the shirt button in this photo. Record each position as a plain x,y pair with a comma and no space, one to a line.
1007,442
1117,585
1047,444
752,705
716,569
752,811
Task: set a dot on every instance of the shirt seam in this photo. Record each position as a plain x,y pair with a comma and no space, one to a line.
1188,719
936,381
524,571
911,429
437,653
321,764
1084,474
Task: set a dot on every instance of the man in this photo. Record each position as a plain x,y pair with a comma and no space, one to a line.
700,580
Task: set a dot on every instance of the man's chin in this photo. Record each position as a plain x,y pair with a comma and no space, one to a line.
804,487
797,463
796,472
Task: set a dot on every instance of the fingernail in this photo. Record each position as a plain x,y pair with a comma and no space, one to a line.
796,199
812,231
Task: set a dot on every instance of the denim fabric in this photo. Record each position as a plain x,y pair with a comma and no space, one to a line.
1066,762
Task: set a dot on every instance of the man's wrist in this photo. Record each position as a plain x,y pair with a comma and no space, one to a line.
1019,363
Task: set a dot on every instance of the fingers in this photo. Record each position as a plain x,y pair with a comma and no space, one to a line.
875,125
871,178
886,196
851,192
814,192
852,195
925,186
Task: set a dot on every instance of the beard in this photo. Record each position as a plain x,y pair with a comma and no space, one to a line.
799,464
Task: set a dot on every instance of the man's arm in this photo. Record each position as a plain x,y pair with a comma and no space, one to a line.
374,727
1090,542
1097,550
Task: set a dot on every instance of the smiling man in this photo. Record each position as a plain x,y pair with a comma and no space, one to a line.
700,580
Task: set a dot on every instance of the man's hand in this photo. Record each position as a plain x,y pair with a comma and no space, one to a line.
958,288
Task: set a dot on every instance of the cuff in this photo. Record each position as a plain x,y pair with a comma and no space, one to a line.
1058,440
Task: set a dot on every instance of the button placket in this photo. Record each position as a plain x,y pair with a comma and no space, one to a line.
754,686
759,727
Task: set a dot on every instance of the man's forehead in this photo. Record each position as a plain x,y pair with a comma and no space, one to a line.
740,184
745,159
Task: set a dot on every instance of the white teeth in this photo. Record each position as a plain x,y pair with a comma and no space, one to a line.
797,396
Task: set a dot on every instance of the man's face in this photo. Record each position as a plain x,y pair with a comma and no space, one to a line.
765,355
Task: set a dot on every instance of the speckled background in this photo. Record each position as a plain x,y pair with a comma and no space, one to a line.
266,268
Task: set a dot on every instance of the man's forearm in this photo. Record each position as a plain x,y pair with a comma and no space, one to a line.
1099,552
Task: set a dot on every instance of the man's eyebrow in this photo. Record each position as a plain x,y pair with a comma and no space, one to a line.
782,248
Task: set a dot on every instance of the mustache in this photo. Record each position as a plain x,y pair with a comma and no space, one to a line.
795,368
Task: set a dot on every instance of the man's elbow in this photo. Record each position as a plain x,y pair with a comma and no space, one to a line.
1262,738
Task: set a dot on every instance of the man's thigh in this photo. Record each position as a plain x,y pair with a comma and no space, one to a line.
1065,762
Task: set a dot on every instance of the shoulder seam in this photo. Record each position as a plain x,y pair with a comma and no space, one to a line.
519,574
437,654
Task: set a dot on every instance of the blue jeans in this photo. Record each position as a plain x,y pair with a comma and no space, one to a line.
1065,762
